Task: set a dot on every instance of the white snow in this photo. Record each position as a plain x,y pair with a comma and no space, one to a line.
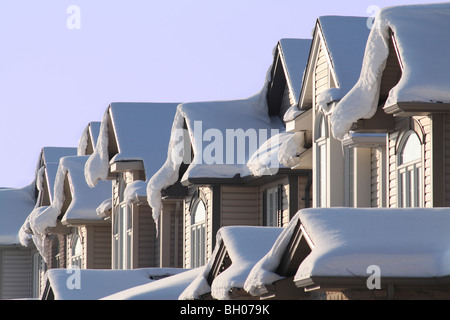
83,204
245,245
15,205
142,132
104,207
402,242
264,271
295,53
164,289
422,38
91,132
76,284
134,191
212,128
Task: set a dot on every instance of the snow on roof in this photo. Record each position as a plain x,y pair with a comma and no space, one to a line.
295,53
91,132
49,159
168,288
245,245
422,39
264,271
223,135
142,132
76,284
402,242
15,206
83,204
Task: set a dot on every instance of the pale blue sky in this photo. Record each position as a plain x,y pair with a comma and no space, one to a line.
55,80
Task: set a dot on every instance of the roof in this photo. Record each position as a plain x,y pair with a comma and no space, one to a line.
168,288
294,53
245,245
402,242
141,131
89,135
422,42
345,39
49,159
15,206
96,284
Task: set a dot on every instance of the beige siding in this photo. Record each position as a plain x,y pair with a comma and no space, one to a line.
239,206
101,246
425,122
447,160
144,238
16,266
171,228
321,76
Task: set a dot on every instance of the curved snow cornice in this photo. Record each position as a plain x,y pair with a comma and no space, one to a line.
423,45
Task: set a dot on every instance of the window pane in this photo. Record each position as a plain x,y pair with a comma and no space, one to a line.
412,149
199,213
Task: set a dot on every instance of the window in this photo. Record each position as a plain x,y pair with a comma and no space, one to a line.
272,206
76,259
409,171
198,234
321,162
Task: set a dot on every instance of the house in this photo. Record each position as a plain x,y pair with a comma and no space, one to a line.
404,76
132,141
43,185
71,221
333,67
16,261
226,153
237,250
387,253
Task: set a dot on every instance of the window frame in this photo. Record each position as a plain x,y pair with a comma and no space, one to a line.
198,235
409,175
321,136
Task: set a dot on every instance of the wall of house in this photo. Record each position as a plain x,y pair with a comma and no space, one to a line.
285,215
171,234
97,246
378,179
16,273
145,242
239,206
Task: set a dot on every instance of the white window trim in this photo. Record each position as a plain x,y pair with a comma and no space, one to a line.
404,172
321,156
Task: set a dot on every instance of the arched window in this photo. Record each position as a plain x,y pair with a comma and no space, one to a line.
76,258
409,171
198,234
321,161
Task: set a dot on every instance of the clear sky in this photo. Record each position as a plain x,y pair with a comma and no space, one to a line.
62,62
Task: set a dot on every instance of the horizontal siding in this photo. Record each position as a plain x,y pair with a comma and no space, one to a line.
16,269
102,247
239,206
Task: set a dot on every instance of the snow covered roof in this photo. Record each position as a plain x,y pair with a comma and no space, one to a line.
217,132
422,44
88,139
96,284
81,203
294,53
168,288
15,206
402,242
49,159
245,245
345,39
141,132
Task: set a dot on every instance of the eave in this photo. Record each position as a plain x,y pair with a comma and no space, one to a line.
408,109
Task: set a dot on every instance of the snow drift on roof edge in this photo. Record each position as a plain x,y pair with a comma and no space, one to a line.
417,28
